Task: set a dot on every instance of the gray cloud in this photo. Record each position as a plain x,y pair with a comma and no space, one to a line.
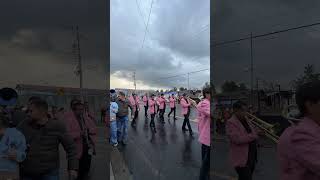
177,41
36,42
279,58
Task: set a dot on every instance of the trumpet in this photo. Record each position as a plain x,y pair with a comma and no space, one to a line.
269,130
193,102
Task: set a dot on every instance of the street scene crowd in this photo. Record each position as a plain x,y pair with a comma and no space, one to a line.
154,110
30,138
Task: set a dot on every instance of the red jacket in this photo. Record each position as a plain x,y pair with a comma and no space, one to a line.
172,102
204,119
74,130
152,104
239,141
299,151
161,102
184,106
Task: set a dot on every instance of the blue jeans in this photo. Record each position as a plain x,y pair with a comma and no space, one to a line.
53,175
122,123
113,132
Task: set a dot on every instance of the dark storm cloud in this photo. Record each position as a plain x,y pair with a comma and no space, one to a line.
279,58
177,41
39,33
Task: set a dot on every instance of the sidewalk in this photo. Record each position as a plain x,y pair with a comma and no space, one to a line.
111,173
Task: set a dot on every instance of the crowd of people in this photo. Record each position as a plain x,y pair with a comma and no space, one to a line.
155,106
30,138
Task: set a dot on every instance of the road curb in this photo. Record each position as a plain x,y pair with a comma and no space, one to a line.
119,166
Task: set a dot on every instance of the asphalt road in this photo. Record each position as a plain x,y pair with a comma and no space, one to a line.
168,154
266,168
100,165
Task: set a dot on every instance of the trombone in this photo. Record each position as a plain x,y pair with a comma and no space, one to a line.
193,102
269,130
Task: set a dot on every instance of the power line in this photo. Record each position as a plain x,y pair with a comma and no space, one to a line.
182,74
266,34
139,10
147,25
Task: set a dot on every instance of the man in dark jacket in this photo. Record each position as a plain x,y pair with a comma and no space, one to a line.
122,118
43,137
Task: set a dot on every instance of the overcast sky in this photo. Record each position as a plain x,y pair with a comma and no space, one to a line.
36,42
177,42
279,58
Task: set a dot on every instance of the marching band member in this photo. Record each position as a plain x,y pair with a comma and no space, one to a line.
204,119
299,145
243,145
186,105
145,102
152,111
134,101
162,103
172,101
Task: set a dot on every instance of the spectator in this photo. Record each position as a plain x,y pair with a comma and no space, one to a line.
43,137
122,118
83,131
12,150
113,118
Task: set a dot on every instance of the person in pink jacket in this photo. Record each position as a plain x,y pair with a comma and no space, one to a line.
134,101
186,105
204,119
83,131
243,145
152,111
172,101
299,145
162,102
145,103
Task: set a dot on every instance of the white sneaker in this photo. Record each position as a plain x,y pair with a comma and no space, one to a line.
115,145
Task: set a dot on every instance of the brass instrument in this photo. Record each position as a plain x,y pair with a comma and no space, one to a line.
269,130
193,102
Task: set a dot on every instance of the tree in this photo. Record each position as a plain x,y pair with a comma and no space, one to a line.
230,86
181,88
242,87
161,90
309,75
175,89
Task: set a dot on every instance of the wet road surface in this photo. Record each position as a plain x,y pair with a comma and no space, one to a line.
168,154
99,164
266,168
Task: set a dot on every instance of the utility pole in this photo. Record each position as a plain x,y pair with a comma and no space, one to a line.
188,82
79,57
76,50
251,54
134,80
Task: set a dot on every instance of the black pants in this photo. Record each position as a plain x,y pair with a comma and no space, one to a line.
146,111
187,122
135,117
162,114
245,173
205,166
174,112
152,124
84,164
